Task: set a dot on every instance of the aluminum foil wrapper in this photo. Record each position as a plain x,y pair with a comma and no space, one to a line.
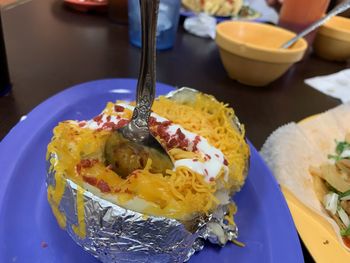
118,235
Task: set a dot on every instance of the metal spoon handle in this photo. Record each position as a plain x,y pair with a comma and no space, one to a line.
147,75
336,10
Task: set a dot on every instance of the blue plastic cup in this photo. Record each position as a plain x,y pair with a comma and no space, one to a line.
168,21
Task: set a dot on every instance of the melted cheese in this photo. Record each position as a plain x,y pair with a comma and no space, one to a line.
187,190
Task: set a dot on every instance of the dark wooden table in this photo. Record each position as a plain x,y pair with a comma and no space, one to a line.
51,48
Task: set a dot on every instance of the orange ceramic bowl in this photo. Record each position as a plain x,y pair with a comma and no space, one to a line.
251,51
333,39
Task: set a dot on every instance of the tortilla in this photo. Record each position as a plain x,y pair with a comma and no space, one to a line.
292,149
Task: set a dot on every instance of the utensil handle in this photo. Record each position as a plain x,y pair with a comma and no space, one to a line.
336,10
147,75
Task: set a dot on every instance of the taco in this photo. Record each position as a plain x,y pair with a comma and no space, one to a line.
311,159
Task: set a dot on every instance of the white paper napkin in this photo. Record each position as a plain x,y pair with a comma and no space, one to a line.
201,25
336,85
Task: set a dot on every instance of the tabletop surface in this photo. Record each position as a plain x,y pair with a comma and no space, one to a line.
50,48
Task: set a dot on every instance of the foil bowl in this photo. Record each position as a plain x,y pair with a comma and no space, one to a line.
117,235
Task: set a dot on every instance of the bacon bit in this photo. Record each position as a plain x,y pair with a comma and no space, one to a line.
109,126
172,143
118,108
122,123
206,171
161,130
166,137
196,140
44,244
217,155
86,163
98,118
195,160
109,167
108,118
90,180
82,124
78,168
117,190
211,179
208,156
153,121
166,123
225,162
103,186
184,144
180,135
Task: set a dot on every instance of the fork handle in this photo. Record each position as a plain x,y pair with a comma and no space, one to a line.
147,74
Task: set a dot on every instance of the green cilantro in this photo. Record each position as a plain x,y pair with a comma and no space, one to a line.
344,194
340,148
332,189
345,232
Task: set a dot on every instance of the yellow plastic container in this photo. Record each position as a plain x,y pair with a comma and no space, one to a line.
333,40
251,51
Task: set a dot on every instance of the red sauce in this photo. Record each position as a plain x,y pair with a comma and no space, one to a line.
346,241
225,162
